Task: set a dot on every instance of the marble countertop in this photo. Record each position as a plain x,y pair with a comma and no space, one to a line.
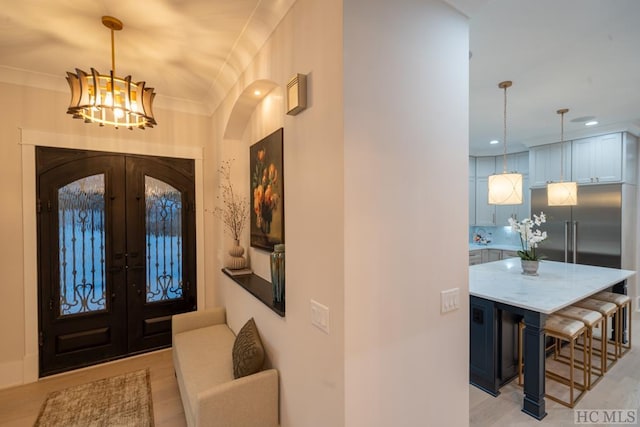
478,247
557,285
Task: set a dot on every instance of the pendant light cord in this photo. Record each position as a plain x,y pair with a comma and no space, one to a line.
504,134
562,113
561,147
504,85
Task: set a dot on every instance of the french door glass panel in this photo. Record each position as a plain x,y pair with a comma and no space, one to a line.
81,229
163,205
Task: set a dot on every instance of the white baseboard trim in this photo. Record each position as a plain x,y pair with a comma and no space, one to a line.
31,368
11,373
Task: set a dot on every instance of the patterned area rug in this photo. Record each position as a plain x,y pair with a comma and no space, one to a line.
123,400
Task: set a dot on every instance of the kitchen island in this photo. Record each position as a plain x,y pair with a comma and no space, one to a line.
499,287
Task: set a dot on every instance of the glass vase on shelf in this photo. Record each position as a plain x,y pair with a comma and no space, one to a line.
277,273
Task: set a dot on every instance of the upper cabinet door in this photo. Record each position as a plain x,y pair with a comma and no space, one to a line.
472,190
597,159
485,213
544,164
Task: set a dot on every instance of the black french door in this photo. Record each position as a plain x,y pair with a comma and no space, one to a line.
116,254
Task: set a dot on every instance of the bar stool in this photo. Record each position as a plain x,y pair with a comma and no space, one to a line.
521,327
623,302
608,311
591,319
563,329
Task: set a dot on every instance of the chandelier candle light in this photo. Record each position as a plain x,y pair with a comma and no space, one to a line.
108,99
505,188
562,193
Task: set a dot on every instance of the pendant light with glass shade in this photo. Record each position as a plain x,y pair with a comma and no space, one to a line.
505,188
562,193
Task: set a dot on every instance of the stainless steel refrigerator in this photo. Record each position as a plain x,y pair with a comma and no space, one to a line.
589,233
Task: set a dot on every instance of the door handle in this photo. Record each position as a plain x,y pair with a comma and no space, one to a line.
575,241
566,241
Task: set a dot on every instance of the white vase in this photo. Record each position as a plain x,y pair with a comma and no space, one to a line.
235,260
529,267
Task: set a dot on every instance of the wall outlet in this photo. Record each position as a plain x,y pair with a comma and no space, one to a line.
320,316
449,300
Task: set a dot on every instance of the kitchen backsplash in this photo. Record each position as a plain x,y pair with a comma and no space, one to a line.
494,235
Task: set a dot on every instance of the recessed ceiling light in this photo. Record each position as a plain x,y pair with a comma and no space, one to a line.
591,123
494,142
583,119
257,92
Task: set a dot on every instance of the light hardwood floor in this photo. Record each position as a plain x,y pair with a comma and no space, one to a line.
19,406
618,389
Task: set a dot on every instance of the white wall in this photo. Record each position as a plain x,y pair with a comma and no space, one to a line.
43,112
310,362
364,206
406,196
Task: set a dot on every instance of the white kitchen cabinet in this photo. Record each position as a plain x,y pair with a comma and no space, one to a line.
509,254
475,257
472,190
597,159
489,255
517,162
544,164
485,213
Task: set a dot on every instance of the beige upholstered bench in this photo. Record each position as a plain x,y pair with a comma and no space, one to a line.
211,394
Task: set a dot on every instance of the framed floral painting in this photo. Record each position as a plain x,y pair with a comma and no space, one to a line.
267,191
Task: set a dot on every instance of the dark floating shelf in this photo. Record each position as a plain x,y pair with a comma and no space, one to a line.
259,288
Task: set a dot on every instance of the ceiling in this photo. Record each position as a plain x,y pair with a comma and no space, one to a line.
192,52
576,54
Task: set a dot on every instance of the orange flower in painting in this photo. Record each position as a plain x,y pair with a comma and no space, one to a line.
257,204
265,191
273,173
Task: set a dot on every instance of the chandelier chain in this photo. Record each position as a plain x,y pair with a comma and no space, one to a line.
113,53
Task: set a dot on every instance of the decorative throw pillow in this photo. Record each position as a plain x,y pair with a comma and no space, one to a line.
248,353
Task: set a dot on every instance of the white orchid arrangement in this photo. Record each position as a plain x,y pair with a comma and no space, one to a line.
529,238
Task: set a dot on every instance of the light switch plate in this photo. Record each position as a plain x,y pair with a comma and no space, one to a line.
449,300
320,316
